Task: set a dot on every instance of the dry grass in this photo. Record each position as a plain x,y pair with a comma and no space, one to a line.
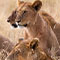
3,54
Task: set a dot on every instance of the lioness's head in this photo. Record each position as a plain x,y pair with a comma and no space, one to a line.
27,50
25,13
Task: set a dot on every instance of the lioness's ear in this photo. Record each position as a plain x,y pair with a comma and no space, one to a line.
37,5
34,43
19,2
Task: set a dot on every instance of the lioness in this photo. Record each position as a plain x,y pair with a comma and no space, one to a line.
28,15
28,50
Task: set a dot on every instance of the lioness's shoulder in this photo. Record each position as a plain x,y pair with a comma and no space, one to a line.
48,18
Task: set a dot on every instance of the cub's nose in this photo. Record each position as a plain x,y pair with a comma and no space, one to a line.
14,25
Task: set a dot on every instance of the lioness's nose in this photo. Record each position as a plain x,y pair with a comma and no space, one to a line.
14,25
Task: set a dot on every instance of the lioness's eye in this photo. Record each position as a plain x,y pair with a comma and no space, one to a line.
24,11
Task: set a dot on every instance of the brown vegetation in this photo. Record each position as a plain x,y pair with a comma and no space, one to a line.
5,47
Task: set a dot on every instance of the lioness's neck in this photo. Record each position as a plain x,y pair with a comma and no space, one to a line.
36,28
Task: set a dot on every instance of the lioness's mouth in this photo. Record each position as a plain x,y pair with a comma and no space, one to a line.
20,25
25,25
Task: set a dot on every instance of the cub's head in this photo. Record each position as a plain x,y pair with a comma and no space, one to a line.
25,13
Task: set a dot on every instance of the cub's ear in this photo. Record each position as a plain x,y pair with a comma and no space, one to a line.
37,5
19,2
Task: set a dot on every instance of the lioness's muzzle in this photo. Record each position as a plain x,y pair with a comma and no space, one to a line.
15,25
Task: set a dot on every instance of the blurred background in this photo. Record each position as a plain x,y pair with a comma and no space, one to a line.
7,6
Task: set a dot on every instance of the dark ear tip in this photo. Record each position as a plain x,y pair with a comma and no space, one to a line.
38,1
41,3
36,40
37,5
